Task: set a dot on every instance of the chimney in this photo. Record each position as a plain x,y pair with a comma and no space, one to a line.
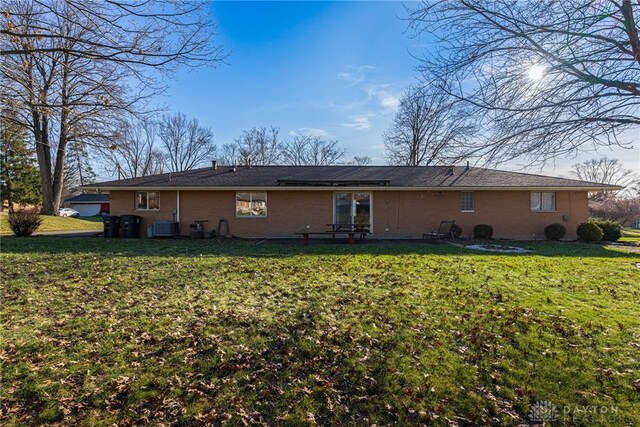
214,164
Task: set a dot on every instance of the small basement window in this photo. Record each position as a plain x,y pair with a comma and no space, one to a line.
466,201
543,201
251,204
147,200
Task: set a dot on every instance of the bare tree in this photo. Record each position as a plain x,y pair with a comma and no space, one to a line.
154,33
186,144
426,129
604,170
311,150
543,77
360,161
78,167
624,210
259,146
229,154
65,67
135,152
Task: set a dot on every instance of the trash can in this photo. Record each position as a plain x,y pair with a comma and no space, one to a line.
111,226
130,226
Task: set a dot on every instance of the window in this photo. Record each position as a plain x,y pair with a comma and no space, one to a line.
147,200
251,204
466,201
543,201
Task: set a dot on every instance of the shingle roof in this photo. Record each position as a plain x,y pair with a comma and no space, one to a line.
89,198
367,176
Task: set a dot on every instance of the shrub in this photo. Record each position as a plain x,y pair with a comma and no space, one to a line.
24,222
589,232
456,230
611,230
555,231
482,231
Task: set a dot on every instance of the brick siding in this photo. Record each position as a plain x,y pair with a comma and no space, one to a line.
395,213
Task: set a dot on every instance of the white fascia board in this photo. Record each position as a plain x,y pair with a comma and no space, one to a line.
350,189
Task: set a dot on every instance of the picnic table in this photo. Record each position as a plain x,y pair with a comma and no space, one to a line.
350,230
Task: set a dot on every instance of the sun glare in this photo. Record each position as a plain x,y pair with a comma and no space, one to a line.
536,72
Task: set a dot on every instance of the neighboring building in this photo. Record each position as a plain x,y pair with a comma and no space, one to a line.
89,204
397,201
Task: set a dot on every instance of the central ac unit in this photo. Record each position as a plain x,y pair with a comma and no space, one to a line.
166,229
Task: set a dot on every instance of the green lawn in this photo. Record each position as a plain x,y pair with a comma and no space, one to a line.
58,223
630,235
99,332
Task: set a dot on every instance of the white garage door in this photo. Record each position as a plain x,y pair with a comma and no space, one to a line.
87,210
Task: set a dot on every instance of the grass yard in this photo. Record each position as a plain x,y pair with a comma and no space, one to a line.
58,223
630,235
100,332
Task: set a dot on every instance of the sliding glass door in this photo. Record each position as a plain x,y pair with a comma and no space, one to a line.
352,208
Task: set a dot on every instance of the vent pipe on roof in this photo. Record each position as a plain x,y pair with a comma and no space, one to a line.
450,171
249,163
467,164
232,169
214,164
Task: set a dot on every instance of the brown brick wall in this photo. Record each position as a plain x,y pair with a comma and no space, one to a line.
411,213
122,203
287,212
395,213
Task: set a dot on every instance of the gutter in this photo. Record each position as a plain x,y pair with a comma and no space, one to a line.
349,189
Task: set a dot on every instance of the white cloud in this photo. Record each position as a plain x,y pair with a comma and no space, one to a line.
350,77
359,122
355,73
389,102
309,132
387,99
314,132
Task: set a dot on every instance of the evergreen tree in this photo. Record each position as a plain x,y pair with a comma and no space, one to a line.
19,176
78,170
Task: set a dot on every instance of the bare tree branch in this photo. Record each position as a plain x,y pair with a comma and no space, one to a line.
71,69
186,144
312,151
543,78
426,129
604,170
360,161
135,151
258,146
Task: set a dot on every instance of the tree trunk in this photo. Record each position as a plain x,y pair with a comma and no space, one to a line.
58,172
43,151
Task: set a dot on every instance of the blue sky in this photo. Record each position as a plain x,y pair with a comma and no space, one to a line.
335,69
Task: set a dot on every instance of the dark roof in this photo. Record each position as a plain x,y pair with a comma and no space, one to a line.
351,176
89,198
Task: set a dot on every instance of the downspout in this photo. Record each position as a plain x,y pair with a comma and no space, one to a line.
178,206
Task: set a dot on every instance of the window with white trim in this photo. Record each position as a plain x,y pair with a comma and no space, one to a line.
466,201
251,204
543,201
147,200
